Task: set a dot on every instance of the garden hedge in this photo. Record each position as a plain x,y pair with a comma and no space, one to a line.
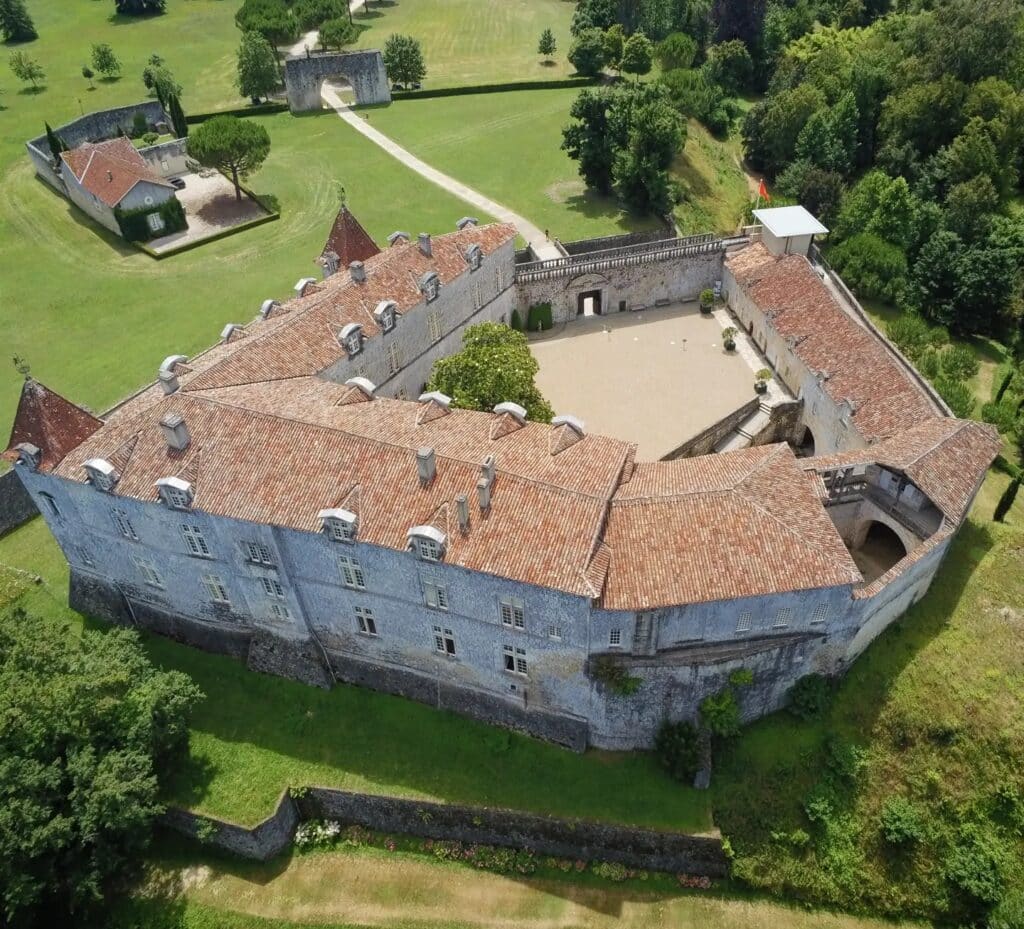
493,88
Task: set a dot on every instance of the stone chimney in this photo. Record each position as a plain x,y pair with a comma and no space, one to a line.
168,381
462,508
466,221
487,469
425,247
358,272
398,237
267,308
29,455
483,492
175,431
329,264
426,465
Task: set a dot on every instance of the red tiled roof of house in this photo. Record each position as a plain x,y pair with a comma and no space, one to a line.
51,423
739,524
109,170
857,366
349,240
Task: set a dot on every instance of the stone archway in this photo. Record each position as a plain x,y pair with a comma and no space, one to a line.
878,546
364,71
806,446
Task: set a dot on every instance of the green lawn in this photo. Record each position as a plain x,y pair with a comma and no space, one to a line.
931,713
256,735
474,42
507,146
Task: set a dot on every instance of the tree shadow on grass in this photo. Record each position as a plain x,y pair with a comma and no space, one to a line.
32,91
593,205
380,8
75,215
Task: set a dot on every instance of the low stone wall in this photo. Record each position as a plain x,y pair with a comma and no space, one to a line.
583,246
636,848
16,506
704,442
785,424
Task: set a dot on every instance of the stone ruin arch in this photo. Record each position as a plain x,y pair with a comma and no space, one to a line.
304,76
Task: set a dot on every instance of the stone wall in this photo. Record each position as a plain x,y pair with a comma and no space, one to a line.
704,442
583,246
546,835
16,505
364,70
167,158
785,424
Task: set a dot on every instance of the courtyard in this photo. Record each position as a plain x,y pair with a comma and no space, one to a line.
657,377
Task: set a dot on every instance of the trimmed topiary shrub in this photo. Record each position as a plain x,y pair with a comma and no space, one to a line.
810,696
539,317
516,321
677,750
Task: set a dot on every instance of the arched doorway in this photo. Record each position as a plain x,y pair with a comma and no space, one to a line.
879,551
806,446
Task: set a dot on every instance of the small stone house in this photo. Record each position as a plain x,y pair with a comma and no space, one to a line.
104,177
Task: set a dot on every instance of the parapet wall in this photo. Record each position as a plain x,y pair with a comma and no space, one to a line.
547,835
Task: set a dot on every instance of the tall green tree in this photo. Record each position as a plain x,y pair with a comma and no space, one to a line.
588,140
613,43
177,115
495,365
338,32
27,69
677,50
587,52
593,14
637,55
15,23
91,732
257,67
104,60
403,60
233,145
271,19
730,65
55,142
140,7
546,46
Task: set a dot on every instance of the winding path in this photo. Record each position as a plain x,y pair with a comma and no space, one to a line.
541,245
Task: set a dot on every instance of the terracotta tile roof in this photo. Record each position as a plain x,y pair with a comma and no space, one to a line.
110,169
739,524
946,458
349,240
857,367
282,466
51,423
304,340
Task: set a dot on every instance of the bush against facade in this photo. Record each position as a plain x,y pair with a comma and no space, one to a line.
15,23
90,729
677,749
403,60
494,366
236,146
809,697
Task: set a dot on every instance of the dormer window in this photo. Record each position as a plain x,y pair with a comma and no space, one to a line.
430,284
339,525
102,474
384,314
427,542
175,492
351,338
474,257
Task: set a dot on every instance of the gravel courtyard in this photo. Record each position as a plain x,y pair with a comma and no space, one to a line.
210,207
656,377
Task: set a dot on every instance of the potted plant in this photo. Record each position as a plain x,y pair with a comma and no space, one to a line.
763,376
729,335
707,300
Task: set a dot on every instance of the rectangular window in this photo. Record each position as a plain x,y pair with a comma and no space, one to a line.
428,549
515,660
782,618
123,524
216,589
351,573
555,632
195,541
434,322
365,621
512,614
394,358
444,641
155,222
149,572
820,613
477,298
279,611
340,530
615,637
272,588
258,553
745,621
436,595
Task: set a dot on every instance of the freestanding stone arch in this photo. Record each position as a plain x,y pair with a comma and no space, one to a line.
304,76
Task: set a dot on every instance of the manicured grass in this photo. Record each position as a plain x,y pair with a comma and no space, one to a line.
474,41
935,710
715,189
256,735
507,146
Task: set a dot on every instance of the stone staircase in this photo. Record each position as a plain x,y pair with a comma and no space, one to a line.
748,430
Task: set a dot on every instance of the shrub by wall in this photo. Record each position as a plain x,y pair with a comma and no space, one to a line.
539,318
263,109
135,226
492,88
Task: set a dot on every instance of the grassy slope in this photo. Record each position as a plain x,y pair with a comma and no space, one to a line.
715,189
936,704
508,146
255,735
473,42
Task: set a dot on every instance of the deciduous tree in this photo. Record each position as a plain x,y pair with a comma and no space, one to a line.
677,50
27,69
403,60
104,60
338,32
586,54
547,46
15,23
637,55
140,7
257,67
230,144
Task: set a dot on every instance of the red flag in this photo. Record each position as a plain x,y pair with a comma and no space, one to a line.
762,191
